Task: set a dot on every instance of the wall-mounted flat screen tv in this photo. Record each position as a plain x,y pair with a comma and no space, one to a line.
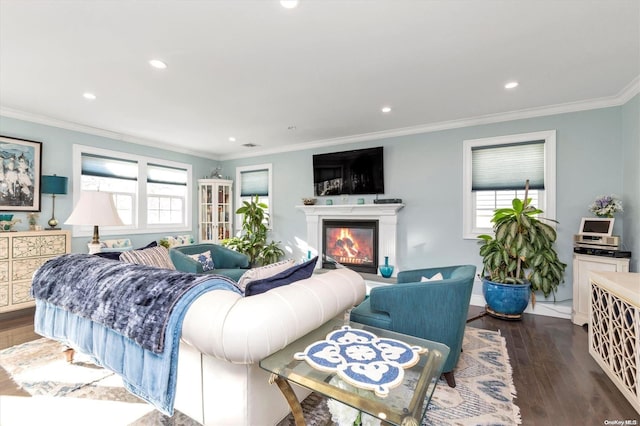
349,172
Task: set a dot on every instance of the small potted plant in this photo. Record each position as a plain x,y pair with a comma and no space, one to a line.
519,260
606,206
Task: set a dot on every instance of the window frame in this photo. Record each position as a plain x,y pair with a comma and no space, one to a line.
238,200
469,230
140,225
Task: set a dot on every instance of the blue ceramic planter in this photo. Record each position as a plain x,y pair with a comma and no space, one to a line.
507,299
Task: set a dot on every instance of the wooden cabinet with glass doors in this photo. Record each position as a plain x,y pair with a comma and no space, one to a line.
215,217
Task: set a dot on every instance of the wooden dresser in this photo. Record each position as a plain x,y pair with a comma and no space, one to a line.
21,253
614,329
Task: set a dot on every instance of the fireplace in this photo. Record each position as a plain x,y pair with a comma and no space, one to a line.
353,243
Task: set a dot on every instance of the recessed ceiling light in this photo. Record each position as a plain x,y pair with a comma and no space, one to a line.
386,109
289,4
156,63
89,96
511,85
232,139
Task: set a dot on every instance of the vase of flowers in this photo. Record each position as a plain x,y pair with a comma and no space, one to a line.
606,206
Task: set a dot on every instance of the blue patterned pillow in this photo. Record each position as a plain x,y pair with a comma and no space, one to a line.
205,260
293,274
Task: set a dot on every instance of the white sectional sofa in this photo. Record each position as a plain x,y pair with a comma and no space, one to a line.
225,335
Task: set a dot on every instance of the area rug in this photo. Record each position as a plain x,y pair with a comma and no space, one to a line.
483,394
82,393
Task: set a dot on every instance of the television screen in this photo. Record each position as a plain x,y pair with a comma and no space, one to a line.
349,172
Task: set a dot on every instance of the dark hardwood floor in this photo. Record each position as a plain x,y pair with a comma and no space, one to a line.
557,381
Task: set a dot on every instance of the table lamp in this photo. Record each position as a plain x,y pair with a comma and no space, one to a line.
98,209
54,185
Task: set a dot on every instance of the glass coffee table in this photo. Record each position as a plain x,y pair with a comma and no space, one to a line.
405,403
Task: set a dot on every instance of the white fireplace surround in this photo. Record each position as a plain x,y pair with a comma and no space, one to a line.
386,214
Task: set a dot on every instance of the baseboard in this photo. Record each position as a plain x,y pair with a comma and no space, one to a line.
547,309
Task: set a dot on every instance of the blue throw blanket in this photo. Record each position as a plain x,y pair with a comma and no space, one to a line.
128,317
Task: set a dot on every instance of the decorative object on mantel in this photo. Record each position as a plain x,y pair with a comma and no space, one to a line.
54,185
386,270
309,201
98,209
7,221
606,206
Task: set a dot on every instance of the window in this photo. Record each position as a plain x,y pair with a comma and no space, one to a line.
495,170
252,181
148,193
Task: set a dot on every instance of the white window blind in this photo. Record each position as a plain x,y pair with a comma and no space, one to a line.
254,182
507,167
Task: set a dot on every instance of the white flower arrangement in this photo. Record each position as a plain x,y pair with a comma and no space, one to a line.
606,206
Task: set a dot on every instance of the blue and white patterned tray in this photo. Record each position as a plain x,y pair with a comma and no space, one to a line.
362,359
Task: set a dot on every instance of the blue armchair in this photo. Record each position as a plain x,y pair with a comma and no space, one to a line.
226,262
435,310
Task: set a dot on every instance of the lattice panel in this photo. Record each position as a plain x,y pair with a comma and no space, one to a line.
615,339
4,248
624,344
41,245
600,322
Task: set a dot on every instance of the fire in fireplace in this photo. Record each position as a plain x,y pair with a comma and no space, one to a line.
353,243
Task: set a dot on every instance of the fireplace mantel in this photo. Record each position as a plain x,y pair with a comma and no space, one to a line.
353,209
386,214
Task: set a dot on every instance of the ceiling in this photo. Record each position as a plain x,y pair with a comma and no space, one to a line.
319,74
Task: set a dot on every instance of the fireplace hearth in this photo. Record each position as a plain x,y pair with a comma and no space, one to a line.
352,243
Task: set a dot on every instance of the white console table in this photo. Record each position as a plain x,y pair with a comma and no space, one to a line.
614,329
583,264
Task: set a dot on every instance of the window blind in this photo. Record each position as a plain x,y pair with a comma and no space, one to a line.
254,182
97,165
507,167
166,175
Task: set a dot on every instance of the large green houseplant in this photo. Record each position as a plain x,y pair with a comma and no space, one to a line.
253,239
522,251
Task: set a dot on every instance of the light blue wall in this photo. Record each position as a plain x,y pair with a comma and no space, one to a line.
631,186
425,171
57,146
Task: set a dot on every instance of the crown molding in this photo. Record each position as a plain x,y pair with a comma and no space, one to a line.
626,94
621,98
96,131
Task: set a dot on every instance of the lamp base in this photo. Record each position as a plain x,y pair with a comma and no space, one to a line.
94,248
52,229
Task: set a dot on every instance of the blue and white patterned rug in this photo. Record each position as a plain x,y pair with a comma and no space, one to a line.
483,395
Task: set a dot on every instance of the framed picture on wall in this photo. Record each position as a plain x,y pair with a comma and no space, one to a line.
20,174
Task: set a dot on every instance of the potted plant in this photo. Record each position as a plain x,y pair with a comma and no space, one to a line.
519,260
253,239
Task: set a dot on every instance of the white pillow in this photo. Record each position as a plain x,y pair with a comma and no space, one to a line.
436,277
264,272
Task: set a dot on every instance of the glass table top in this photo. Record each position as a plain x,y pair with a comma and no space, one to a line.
406,401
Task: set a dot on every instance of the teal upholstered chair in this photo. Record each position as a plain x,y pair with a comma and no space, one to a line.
226,262
435,310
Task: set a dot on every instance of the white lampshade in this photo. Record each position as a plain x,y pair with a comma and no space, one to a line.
98,209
